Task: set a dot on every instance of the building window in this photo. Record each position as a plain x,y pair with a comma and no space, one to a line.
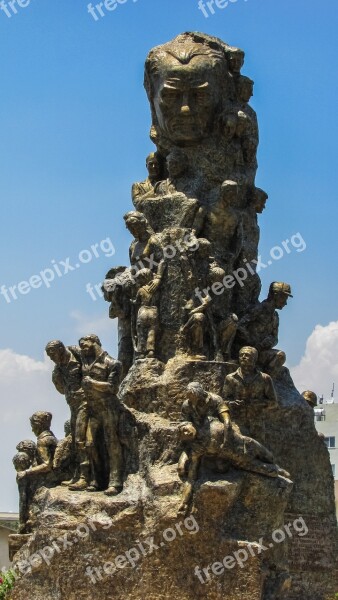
330,442
334,470
320,414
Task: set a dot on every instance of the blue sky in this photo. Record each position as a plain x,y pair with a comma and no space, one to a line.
74,122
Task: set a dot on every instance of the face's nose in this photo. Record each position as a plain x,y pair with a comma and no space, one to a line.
185,107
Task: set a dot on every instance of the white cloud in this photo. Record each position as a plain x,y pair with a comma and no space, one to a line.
25,387
318,368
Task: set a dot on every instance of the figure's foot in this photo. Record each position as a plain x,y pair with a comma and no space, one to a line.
283,473
93,487
79,486
68,483
113,490
151,354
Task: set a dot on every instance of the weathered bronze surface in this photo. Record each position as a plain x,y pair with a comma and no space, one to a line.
199,417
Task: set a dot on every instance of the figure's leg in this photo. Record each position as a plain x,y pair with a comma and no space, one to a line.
183,464
247,454
80,441
73,451
142,333
151,337
228,333
114,451
188,488
23,506
93,458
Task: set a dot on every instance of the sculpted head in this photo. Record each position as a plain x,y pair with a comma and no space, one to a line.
235,59
196,393
21,462
245,88
90,345
177,163
311,398
56,351
137,224
279,293
259,200
143,277
248,357
41,421
154,166
229,193
184,80
28,447
229,125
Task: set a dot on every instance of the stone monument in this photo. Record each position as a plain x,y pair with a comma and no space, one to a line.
191,467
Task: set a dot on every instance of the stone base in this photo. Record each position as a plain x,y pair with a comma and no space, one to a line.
136,546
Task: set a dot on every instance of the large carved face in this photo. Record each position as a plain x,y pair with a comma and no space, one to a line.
186,97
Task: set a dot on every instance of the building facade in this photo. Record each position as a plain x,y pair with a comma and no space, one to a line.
326,419
8,525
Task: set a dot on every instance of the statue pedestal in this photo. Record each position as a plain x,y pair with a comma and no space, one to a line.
136,546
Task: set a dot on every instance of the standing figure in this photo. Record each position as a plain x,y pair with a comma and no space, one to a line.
147,311
224,225
22,461
101,380
248,294
118,290
67,377
193,329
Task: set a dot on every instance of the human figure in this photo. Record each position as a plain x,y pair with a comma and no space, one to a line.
259,327
64,456
224,225
244,90
249,393
147,311
145,189
177,168
235,57
118,290
311,398
45,448
22,461
67,378
202,414
139,227
246,295
193,329
101,380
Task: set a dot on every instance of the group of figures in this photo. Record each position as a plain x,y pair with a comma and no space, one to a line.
193,338
173,300
195,226
92,451
193,287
